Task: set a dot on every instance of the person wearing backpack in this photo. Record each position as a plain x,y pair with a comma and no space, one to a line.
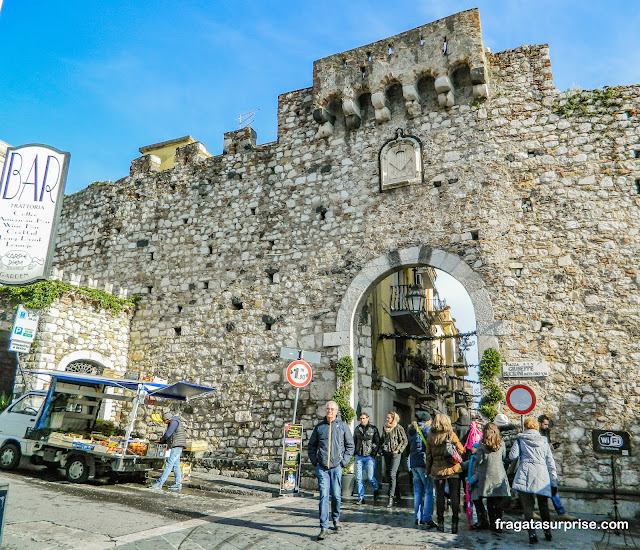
443,457
417,434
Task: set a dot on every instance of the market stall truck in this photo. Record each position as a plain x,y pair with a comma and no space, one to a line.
44,425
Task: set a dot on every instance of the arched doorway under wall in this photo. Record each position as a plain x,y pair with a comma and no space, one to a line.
353,313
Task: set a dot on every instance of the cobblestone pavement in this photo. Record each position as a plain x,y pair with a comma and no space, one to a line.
292,523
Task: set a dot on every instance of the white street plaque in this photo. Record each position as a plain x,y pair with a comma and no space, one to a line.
525,369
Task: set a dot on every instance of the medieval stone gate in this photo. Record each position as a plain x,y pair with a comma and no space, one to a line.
402,153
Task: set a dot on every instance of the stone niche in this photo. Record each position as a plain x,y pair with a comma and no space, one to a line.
439,59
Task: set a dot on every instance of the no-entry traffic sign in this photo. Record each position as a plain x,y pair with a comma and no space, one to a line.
521,399
299,373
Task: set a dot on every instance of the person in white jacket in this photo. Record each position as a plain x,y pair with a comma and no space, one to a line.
536,476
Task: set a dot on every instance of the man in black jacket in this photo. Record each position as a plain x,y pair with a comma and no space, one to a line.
330,449
367,443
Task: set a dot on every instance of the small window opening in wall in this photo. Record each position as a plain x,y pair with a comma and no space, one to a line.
253,211
178,309
638,186
267,326
613,353
390,49
322,211
177,331
421,41
636,154
444,45
437,183
272,243
344,63
474,235
270,275
210,250
236,303
531,153
368,56
240,368
363,70
151,257
149,289
205,285
185,221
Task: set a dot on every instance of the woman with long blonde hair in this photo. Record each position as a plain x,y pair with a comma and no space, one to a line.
490,478
394,441
443,469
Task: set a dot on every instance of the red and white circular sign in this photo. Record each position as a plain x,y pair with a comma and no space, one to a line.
521,399
299,373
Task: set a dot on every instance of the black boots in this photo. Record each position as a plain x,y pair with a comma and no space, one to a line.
547,534
440,525
454,525
376,494
533,538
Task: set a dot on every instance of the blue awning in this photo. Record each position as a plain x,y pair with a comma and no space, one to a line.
180,391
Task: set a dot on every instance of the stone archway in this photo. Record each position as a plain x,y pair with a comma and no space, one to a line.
379,268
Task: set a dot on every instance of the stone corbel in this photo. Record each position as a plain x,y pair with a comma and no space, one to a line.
379,101
479,81
444,89
326,121
412,100
351,110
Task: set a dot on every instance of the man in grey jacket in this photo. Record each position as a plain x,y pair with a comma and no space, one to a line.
330,449
176,439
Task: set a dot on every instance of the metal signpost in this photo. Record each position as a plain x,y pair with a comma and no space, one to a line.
31,191
613,443
521,400
298,375
23,332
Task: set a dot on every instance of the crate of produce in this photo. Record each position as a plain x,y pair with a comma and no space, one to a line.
99,448
156,450
138,447
196,445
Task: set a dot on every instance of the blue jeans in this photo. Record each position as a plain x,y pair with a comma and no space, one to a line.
558,505
173,463
422,495
329,482
368,463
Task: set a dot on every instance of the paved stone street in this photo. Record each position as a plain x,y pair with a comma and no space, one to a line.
291,523
217,512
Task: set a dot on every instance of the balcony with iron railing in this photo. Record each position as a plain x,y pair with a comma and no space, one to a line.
412,310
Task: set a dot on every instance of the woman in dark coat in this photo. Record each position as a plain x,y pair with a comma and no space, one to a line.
394,441
491,477
443,469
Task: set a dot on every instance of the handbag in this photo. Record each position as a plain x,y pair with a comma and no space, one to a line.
451,452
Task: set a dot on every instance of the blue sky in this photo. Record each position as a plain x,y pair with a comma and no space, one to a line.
101,79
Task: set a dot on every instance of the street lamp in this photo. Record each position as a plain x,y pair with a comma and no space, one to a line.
415,299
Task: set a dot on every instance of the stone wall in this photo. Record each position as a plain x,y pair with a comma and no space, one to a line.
533,191
74,329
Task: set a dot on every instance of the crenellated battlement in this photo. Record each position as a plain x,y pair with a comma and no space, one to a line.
437,58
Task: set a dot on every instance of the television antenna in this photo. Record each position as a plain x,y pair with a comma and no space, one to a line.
246,119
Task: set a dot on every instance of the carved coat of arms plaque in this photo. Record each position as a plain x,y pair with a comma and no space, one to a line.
400,161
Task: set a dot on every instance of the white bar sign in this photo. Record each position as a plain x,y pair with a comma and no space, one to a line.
31,191
525,369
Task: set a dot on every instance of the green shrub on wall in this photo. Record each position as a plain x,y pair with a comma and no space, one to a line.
491,393
42,294
344,372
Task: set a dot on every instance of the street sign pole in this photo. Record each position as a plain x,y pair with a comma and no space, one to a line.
295,406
